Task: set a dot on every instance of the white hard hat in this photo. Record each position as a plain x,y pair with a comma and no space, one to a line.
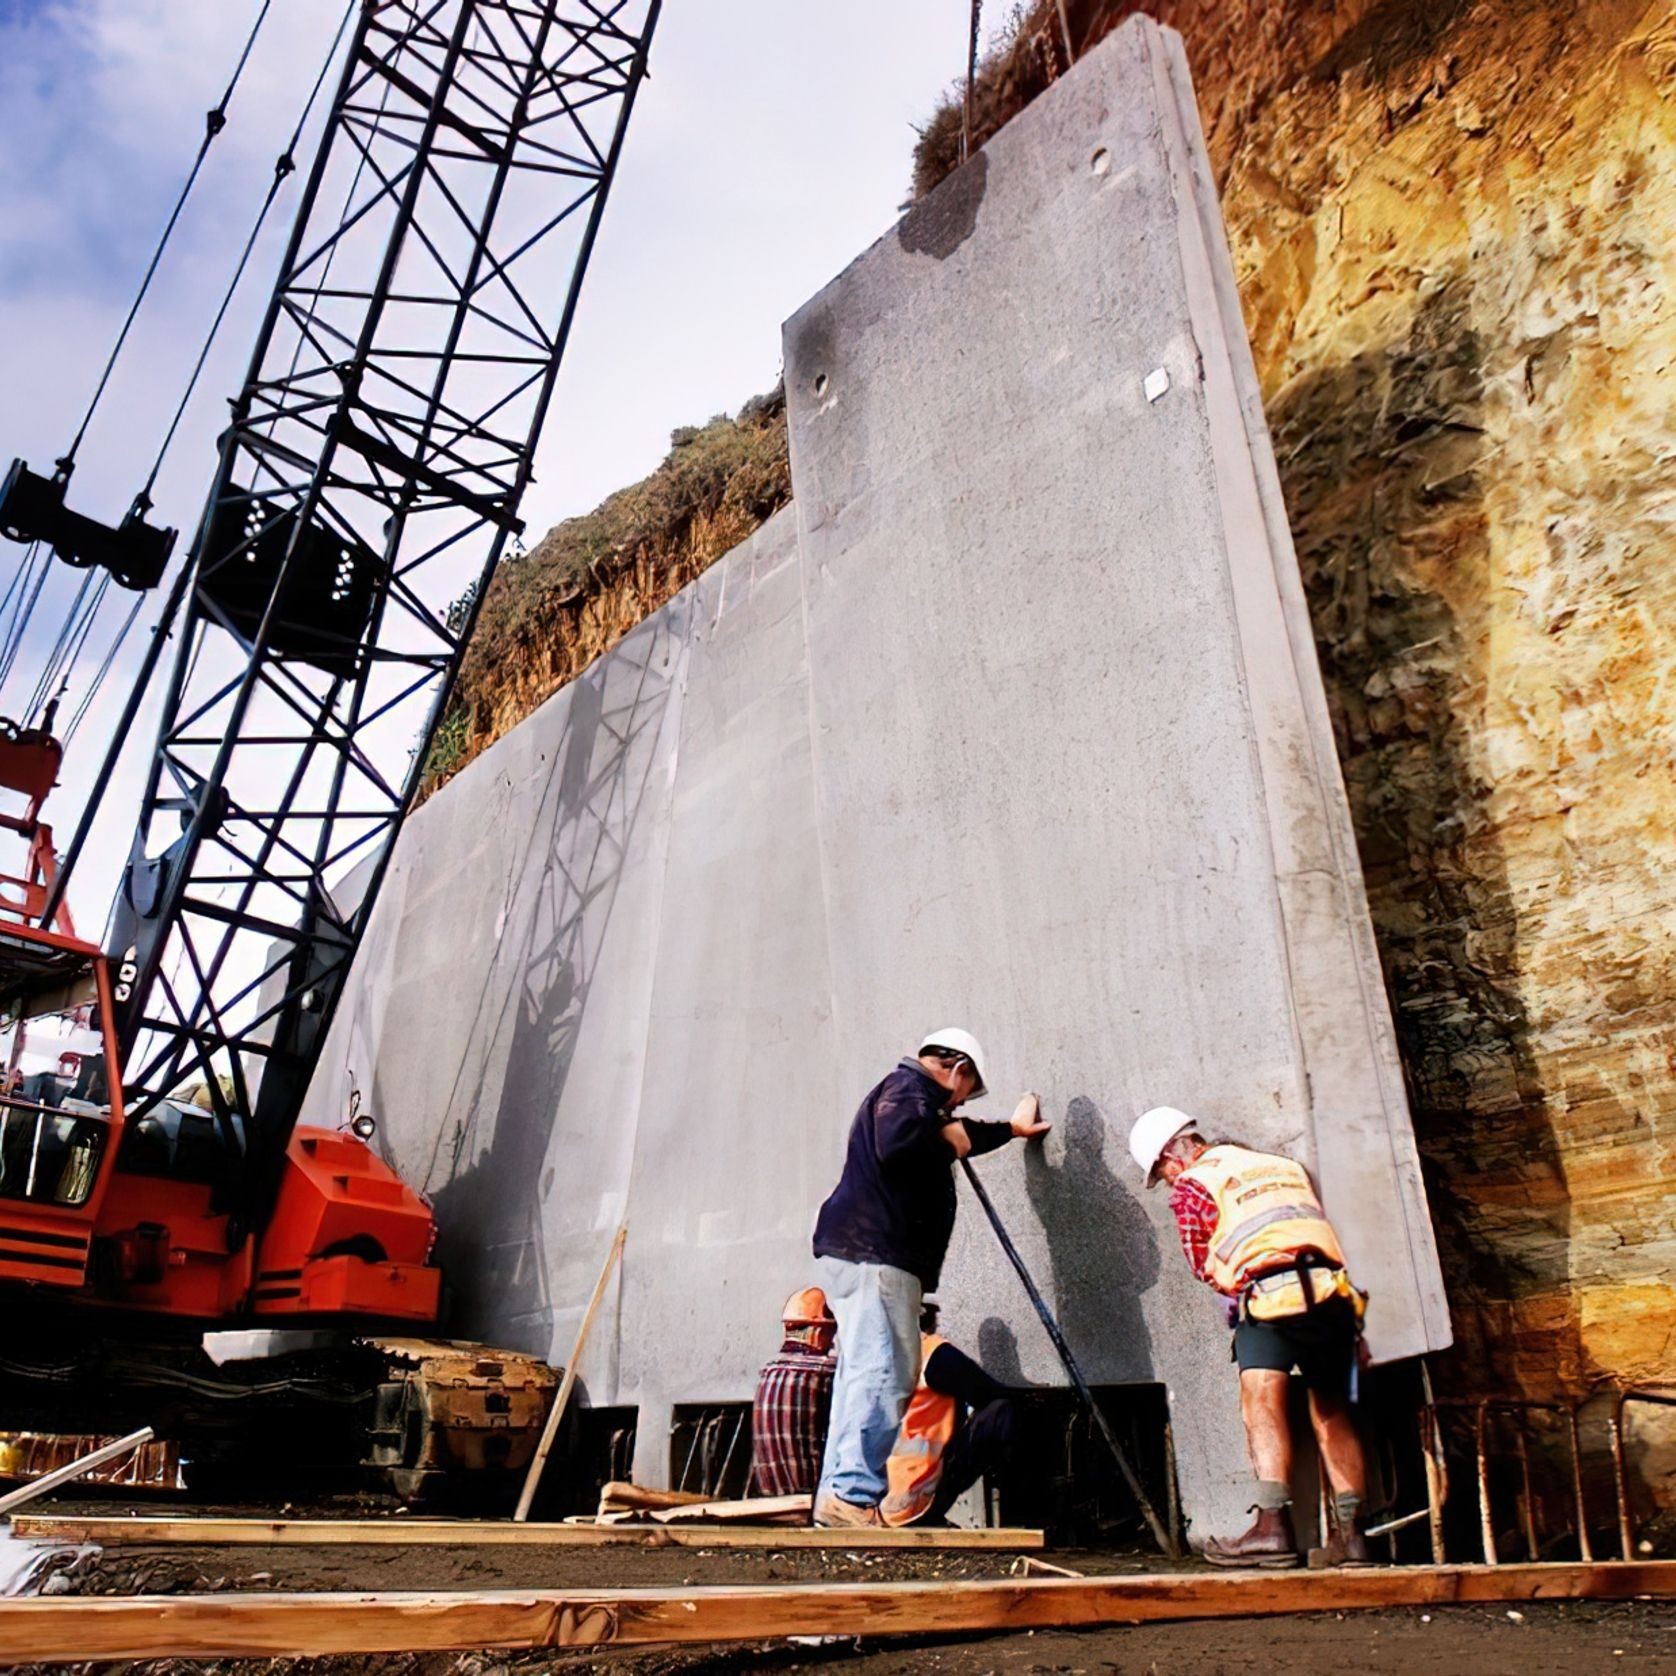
955,1040
1153,1131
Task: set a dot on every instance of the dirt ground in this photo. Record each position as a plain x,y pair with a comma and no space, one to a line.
1538,1639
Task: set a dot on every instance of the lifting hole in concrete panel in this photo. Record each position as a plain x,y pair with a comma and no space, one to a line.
820,383
1101,162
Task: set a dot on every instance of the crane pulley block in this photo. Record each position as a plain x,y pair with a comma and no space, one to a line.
32,509
326,581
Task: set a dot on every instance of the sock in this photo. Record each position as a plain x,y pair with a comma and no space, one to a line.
1272,1495
1347,1507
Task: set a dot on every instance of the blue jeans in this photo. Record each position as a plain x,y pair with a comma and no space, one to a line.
877,1310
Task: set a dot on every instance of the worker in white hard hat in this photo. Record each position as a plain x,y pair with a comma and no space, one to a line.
880,1240
1252,1226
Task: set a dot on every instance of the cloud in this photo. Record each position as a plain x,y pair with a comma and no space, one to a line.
770,146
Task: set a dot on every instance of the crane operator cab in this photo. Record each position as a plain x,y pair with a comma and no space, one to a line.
59,1120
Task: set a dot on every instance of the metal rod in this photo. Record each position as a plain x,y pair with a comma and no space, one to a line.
1403,1523
1486,1523
1527,1496
1172,1489
1065,31
1585,1550
1437,1481
1615,1431
971,76
67,1474
1166,1539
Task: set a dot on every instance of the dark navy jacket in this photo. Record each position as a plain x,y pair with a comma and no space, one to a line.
894,1203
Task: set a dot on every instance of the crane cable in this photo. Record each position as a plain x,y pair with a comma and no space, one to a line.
215,120
103,670
284,165
23,610
72,632
59,665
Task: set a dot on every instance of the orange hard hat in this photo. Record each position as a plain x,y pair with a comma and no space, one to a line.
807,1309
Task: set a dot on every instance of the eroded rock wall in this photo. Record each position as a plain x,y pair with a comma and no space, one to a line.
1454,228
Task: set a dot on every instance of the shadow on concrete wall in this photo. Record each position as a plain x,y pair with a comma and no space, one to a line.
1384,465
997,1352
586,815
1102,1248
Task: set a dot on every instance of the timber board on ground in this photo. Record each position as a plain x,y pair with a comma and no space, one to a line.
213,1532
67,1628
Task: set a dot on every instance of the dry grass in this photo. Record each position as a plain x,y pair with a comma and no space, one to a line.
591,579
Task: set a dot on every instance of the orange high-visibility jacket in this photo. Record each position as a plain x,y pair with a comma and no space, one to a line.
1267,1215
915,1467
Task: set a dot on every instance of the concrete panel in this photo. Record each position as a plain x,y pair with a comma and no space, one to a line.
1075,783
740,1118
1011,720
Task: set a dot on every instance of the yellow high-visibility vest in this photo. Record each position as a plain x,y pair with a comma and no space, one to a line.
915,1467
1267,1215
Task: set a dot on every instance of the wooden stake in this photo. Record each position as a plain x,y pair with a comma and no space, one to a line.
551,1430
264,1625
67,1474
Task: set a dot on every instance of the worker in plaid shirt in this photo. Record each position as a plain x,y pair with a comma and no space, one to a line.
794,1400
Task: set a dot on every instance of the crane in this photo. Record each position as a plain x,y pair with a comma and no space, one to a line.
366,487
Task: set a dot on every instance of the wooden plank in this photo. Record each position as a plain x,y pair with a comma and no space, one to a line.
465,1533
75,1469
617,1495
753,1510
555,1414
67,1628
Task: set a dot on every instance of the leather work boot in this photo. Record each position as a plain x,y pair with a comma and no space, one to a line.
1269,1542
1354,1549
834,1513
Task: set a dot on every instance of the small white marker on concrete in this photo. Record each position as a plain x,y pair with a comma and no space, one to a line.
1157,382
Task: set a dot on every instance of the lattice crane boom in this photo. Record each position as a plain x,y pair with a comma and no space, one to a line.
369,479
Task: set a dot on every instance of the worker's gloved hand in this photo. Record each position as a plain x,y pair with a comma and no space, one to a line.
1027,1119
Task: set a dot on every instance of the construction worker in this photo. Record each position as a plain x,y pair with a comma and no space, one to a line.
1252,1226
793,1400
880,1239
959,1427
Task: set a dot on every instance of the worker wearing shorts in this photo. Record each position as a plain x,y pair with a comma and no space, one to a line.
1252,1226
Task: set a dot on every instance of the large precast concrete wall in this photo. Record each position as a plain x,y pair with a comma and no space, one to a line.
1011,720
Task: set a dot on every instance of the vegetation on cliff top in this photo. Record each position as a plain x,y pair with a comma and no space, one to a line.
551,611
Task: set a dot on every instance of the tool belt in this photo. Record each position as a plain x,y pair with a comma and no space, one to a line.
1298,1288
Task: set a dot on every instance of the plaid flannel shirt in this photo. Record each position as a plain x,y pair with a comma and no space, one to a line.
1195,1214
789,1421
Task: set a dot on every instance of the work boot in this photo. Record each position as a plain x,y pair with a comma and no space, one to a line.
1353,1545
1350,1541
1268,1543
834,1513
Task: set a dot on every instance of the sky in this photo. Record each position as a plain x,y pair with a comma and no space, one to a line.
769,147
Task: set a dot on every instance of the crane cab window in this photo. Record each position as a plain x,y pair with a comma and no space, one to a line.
49,1157
53,1111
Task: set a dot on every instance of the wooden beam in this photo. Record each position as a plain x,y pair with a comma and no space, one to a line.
532,1478
465,1533
618,1495
70,1628
753,1510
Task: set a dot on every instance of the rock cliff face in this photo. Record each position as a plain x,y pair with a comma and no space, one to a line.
1455,230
